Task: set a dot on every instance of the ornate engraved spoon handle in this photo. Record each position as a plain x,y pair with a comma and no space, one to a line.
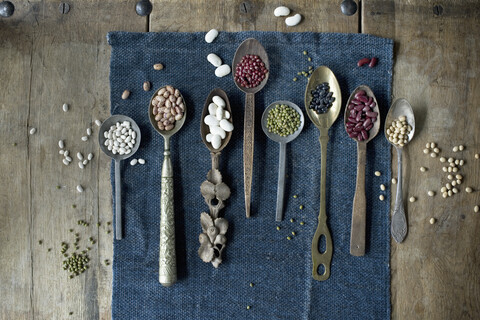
167,256
399,220
248,138
359,210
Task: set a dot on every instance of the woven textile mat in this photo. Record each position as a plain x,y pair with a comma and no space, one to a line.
256,252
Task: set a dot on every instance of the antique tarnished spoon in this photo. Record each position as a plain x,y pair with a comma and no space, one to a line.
167,256
215,192
249,46
283,150
118,157
323,121
400,107
359,210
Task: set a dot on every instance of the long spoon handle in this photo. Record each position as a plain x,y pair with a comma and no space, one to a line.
281,181
248,138
322,258
399,220
359,212
118,201
167,260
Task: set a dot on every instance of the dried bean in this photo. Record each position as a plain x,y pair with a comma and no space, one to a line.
373,62
363,61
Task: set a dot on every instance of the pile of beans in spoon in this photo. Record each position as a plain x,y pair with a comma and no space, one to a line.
250,71
362,117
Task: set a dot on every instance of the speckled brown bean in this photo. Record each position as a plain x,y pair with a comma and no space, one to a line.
155,110
166,94
172,98
167,115
166,122
146,86
177,93
170,89
161,109
178,116
169,127
171,119
155,102
173,111
177,110
158,117
181,106
162,91
178,101
160,125
158,66
168,104
125,94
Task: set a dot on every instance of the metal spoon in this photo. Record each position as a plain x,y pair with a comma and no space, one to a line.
359,211
117,157
323,122
283,148
400,107
167,256
249,46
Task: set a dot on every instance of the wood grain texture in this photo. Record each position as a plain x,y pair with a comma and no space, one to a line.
436,271
48,59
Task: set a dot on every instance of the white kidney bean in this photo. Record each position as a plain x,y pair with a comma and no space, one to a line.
219,101
61,144
84,138
80,156
214,60
98,122
216,130
212,109
80,165
141,161
226,125
431,193
227,114
133,162
216,141
33,130
61,151
65,107
211,35
208,137
281,11
210,120
476,209
468,190
66,153
85,162
433,220
69,159
223,70
65,162
294,20
79,188
219,114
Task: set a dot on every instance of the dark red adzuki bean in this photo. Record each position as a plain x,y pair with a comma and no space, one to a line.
361,117
250,71
363,61
373,62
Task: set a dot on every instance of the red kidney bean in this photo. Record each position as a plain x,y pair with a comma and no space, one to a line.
373,62
352,120
373,104
363,61
360,93
367,122
364,99
369,127
370,99
371,114
367,108
359,107
364,134
359,116
353,113
356,102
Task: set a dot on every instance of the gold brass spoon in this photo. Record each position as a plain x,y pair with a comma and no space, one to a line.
359,211
400,107
167,257
214,190
249,46
323,122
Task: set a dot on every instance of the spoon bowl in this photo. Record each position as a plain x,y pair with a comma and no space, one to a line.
398,226
376,125
323,121
118,157
282,155
167,274
204,129
359,208
249,46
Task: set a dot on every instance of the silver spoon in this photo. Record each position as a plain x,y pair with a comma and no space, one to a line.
117,157
400,107
283,148
167,256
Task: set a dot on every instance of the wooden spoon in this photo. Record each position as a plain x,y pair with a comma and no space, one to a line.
249,46
359,211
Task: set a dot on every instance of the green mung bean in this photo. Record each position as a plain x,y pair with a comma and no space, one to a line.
283,120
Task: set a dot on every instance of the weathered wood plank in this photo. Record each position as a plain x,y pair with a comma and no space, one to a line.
435,272
237,15
49,58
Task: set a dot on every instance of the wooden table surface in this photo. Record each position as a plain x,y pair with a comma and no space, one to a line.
48,58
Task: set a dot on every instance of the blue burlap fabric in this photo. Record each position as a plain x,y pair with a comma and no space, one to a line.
359,287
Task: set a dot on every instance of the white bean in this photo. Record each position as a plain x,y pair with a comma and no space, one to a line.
431,193
85,162
476,209
66,153
65,107
89,131
133,162
219,101
141,161
382,187
61,145
216,141
468,190
461,147
226,125
412,199
281,11
61,151
294,20
211,120
216,130
209,137
378,173
79,188
84,138
68,159
98,122
211,35
433,220
33,130
227,114
214,59
381,197
65,162
79,156
90,156
80,165
222,71
219,114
